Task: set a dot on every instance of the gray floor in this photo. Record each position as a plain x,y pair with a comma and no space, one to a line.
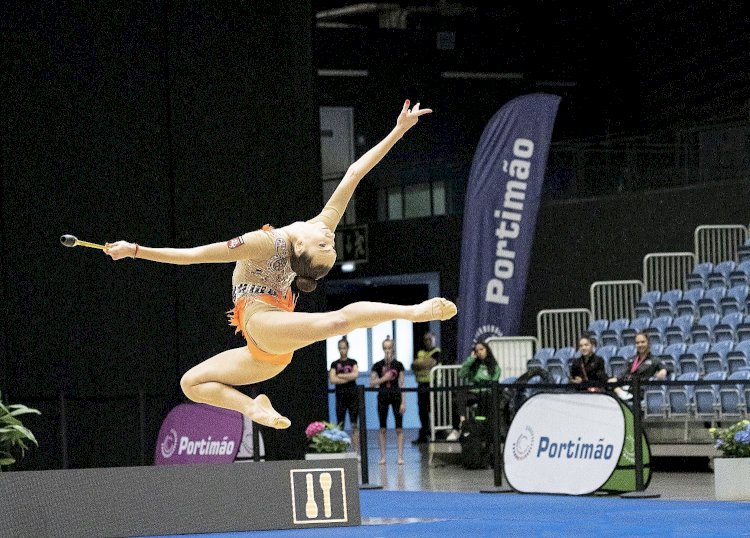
416,474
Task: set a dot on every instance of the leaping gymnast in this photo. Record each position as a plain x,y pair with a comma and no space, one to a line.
267,262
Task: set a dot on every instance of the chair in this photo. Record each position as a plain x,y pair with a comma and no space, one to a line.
719,277
655,401
734,300
688,303
742,334
707,396
725,330
743,253
710,302
611,335
681,398
739,357
655,332
543,354
671,354
697,279
606,352
690,360
679,331
740,275
644,307
656,349
732,401
597,326
627,335
715,359
667,304
703,330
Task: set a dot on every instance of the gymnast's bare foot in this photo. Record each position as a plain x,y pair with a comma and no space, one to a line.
434,309
265,414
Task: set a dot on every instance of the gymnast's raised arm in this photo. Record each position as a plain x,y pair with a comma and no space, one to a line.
250,245
336,206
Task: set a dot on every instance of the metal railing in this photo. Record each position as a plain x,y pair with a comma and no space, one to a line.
561,328
441,402
663,271
615,298
718,243
512,352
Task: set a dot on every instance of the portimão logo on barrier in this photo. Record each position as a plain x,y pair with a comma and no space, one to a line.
197,433
564,443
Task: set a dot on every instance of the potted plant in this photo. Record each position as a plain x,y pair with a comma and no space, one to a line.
13,435
731,471
327,441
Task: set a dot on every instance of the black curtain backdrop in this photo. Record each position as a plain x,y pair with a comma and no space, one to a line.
168,124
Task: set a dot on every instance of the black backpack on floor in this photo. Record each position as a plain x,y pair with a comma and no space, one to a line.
475,445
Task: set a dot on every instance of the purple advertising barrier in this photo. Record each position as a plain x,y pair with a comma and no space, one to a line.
198,433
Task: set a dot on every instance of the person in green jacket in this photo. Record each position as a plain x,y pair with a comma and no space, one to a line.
480,370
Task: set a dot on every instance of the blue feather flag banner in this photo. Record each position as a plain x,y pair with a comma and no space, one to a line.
502,202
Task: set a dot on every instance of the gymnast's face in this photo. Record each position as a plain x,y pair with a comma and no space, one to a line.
319,245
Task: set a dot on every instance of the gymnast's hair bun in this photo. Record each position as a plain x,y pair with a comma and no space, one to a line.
305,284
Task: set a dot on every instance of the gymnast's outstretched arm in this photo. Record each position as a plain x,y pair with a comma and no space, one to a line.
336,206
256,244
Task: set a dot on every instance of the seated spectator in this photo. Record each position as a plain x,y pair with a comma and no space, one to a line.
589,367
644,365
480,369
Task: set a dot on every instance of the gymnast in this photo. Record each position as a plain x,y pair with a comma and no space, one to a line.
267,262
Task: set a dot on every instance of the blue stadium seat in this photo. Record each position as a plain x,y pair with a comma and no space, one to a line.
743,330
666,306
681,398
732,401
508,380
627,335
715,359
703,330
707,396
739,357
671,355
697,279
710,302
597,326
726,329
734,301
719,277
656,331
688,303
655,401
611,336
606,352
740,275
690,360
543,354
679,331
644,307
743,253
656,349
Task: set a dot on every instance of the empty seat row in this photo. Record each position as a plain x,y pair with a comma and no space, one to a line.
696,301
702,401
725,274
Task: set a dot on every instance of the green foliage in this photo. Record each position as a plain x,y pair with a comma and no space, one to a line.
14,437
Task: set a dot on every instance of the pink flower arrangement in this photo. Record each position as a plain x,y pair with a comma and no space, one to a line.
314,429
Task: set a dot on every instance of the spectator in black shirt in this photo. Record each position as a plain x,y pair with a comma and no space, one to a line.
644,365
388,376
589,367
343,374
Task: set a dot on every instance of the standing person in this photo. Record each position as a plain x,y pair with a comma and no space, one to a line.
644,365
267,262
427,358
388,376
589,367
343,374
480,369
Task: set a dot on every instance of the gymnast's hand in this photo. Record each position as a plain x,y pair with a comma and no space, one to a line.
408,118
120,249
